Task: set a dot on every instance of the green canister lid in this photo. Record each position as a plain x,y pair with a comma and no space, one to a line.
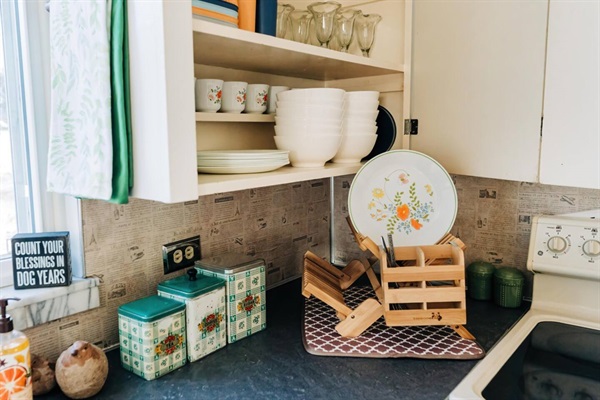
190,286
480,268
152,308
509,275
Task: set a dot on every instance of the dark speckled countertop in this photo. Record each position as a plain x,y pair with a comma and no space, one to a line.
273,364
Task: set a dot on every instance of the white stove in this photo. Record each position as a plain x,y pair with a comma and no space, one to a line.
553,351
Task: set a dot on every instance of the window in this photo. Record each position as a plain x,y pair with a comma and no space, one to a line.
25,206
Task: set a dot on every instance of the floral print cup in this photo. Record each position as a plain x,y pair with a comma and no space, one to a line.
208,95
234,97
257,98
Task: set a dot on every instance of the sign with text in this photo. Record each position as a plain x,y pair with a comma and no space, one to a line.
41,260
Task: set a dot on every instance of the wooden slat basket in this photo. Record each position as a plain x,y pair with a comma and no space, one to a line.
417,292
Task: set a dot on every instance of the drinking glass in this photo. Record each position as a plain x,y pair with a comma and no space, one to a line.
324,16
345,27
300,25
365,31
283,12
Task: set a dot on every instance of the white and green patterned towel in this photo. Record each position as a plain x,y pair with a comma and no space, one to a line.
80,153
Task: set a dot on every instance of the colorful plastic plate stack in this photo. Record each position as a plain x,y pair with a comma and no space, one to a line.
218,11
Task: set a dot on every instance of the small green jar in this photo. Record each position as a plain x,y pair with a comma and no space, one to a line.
479,280
508,287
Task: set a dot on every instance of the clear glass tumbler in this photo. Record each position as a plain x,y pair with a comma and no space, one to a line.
300,20
345,28
324,17
365,31
283,12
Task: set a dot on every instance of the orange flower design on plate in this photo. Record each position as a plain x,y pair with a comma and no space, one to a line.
403,212
415,224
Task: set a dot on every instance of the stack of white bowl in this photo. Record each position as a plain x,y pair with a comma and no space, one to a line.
308,123
359,126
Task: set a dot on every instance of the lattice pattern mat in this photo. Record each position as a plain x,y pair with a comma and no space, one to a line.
380,340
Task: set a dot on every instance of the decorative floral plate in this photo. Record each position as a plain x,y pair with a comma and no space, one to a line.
405,193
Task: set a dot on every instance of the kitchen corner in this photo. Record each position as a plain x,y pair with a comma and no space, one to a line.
274,364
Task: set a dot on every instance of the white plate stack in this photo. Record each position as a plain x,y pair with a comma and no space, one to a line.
240,161
308,123
359,126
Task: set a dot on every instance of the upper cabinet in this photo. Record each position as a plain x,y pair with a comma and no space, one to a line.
168,48
571,132
483,79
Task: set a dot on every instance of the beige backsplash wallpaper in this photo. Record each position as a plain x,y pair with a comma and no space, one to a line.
279,223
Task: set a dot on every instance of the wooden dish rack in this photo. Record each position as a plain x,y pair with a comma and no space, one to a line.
416,292
425,287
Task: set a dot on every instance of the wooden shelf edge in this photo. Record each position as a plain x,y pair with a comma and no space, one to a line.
227,117
282,54
210,184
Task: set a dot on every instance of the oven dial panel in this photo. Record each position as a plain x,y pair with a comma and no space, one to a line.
566,245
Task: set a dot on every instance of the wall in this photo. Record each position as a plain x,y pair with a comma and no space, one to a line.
123,243
123,246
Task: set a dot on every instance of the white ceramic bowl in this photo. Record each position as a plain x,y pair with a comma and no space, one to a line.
370,115
316,111
322,121
353,148
311,95
352,130
360,96
351,121
307,130
309,151
360,106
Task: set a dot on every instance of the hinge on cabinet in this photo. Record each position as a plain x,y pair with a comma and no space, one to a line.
411,126
541,126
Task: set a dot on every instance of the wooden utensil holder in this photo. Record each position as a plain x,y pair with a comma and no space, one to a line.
411,293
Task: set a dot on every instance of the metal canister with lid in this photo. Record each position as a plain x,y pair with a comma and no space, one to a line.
152,336
245,289
204,299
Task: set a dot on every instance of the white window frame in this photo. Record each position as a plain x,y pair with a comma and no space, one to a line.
50,211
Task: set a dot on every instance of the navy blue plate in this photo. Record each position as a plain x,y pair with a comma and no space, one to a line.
386,133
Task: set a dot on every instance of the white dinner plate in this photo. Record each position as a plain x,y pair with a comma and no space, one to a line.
405,193
250,169
241,154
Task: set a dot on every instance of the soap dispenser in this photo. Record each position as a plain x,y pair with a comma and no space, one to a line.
15,359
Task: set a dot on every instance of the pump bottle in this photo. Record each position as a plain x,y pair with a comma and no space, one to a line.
15,360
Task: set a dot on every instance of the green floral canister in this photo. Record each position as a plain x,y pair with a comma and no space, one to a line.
480,275
245,290
508,287
204,299
152,336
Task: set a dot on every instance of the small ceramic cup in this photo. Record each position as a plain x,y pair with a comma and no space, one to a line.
234,97
257,98
208,95
272,104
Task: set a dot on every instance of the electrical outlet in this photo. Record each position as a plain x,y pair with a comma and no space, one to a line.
181,254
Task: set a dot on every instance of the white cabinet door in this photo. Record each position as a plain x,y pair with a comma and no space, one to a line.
477,85
570,153
162,101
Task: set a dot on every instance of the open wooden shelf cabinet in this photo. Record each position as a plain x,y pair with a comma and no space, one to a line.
167,131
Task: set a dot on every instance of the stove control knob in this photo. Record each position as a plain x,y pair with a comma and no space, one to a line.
557,244
591,248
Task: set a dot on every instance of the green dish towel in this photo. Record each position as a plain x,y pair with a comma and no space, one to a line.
89,153
122,176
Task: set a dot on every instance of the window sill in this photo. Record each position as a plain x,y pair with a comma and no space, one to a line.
38,306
